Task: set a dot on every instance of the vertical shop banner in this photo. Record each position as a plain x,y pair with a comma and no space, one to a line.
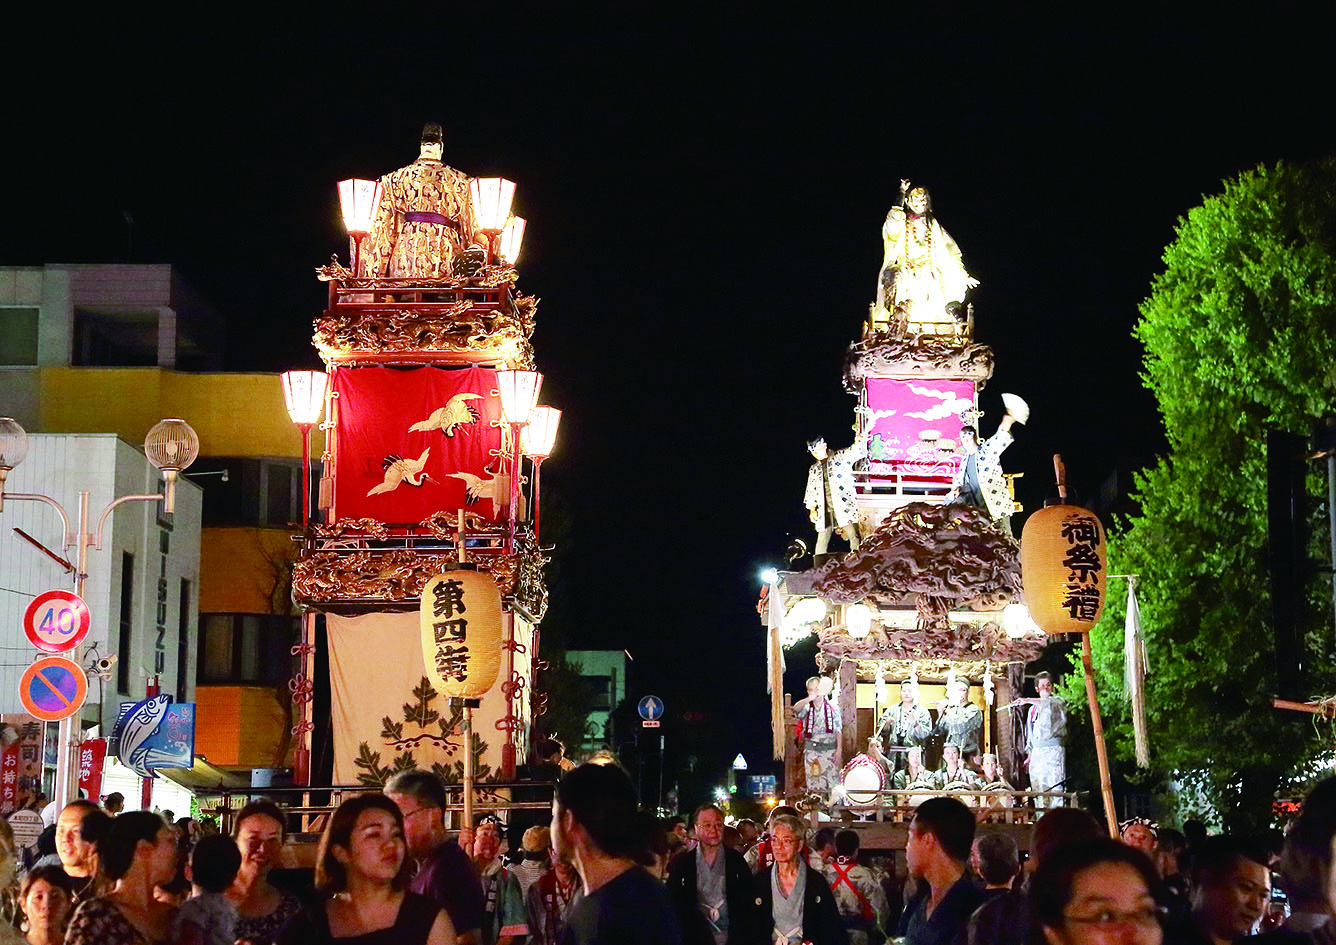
915,430
31,734
9,779
415,441
92,756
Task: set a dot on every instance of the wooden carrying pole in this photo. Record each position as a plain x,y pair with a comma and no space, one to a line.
1105,782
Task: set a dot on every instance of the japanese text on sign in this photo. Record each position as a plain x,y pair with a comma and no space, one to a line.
460,623
1082,594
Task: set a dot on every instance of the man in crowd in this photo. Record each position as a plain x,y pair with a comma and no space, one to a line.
759,856
594,823
1230,886
1045,733
858,895
1140,833
940,837
550,901
445,873
954,776
711,888
997,860
504,917
823,849
79,827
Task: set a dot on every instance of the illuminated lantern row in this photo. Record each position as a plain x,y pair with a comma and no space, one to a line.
1063,568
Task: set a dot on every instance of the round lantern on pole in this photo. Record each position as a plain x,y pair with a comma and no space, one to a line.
1063,568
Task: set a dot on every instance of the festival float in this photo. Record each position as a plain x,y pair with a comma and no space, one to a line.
426,567
920,619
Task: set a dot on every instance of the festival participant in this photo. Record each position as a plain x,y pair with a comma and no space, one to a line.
794,898
997,860
363,865
1305,864
954,776
1230,885
993,781
904,725
915,777
858,896
45,898
1094,893
819,727
979,480
1005,920
208,917
79,827
504,916
1045,733
1170,847
535,846
137,852
830,494
1140,833
939,841
823,848
594,824
960,720
711,887
748,833
444,871
759,855
550,901
262,909
114,803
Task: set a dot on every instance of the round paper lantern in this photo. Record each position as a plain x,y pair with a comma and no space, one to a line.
460,623
1063,568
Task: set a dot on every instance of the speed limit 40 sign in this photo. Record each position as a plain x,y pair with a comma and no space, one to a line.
56,621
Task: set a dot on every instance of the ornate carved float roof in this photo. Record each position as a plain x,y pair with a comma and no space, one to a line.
915,357
477,317
966,647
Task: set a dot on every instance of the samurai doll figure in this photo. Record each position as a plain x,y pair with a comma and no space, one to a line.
923,279
425,217
830,495
979,480
819,727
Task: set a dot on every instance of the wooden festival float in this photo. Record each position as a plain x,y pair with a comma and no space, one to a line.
430,415
933,592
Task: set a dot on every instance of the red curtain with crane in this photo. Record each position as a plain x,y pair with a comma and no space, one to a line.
412,441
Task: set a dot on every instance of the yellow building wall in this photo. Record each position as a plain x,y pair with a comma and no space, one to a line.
234,414
246,726
236,573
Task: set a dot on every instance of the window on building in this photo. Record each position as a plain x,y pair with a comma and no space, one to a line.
18,336
124,655
281,499
245,649
600,688
183,642
115,338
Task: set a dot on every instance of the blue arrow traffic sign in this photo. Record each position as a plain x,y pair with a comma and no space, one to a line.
650,708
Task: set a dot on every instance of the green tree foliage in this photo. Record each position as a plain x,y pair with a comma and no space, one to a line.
569,701
1240,336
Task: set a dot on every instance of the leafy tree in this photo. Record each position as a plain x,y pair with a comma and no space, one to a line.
1240,336
569,701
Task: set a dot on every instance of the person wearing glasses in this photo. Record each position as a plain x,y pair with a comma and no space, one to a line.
1097,892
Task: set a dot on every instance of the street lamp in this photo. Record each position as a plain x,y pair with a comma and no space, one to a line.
491,197
519,395
537,440
511,239
358,200
304,395
170,446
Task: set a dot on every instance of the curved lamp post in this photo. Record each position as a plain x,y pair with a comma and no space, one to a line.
537,440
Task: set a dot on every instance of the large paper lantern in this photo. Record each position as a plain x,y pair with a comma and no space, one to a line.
1063,568
460,622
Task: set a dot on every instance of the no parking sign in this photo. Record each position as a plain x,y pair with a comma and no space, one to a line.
53,689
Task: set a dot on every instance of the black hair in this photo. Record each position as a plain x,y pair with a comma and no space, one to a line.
94,825
422,786
950,821
968,428
824,836
1306,858
1195,831
999,858
1053,879
52,875
330,875
261,808
695,814
1216,856
846,843
116,849
1060,826
602,800
551,746
214,863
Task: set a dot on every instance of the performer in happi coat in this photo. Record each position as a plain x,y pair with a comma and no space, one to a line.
424,218
905,725
922,277
819,720
993,781
915,777
1045,732
954,775
830,493
979,480
858,895
960,720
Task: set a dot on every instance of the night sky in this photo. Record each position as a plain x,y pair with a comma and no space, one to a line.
704,195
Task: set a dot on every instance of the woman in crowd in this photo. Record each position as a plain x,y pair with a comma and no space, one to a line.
794,895
45,898
262,910
137,852
363,864
1095,892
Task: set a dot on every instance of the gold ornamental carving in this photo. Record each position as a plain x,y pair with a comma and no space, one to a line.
915,357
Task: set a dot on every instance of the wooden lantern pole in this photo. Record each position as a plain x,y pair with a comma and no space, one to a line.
1096,722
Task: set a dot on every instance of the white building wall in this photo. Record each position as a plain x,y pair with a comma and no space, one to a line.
62,466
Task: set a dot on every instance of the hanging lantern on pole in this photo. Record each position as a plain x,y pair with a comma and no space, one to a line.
1063,565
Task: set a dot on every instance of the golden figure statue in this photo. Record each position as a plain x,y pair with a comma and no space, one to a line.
425,216
922,281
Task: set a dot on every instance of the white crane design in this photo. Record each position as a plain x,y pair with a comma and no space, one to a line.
456,413
497,489
399,470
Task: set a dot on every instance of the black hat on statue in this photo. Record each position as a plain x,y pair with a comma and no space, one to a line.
431,133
